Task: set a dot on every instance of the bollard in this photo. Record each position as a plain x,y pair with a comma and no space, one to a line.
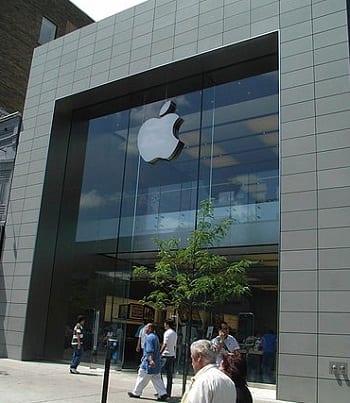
112,345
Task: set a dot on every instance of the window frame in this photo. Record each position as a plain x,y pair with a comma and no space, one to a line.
48,31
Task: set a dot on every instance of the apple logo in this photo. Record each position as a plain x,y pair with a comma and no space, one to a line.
158,137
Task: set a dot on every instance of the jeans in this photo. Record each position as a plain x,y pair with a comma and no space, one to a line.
268,366
168,369
76,357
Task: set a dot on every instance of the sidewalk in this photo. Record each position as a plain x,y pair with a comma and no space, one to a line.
39,382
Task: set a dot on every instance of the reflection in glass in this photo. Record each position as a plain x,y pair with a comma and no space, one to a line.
239,156
47,31
102,178
232,128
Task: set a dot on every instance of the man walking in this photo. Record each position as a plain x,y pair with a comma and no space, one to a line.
140,334
77,344
168,353
150,367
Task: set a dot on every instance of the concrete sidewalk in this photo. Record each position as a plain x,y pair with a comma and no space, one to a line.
39,382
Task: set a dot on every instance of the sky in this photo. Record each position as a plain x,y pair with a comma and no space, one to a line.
99,9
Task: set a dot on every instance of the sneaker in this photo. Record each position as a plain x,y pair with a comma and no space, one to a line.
134,396
74,371
162,398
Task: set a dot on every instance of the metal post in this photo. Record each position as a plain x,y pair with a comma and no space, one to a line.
106,373
112,346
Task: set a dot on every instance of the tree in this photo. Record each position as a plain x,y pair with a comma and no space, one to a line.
193,276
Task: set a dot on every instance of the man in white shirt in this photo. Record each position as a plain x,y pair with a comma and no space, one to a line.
209,385
168,353
141,335
224,343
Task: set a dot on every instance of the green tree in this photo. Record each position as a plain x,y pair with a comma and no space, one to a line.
194,277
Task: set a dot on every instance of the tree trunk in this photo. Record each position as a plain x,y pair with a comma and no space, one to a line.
187,350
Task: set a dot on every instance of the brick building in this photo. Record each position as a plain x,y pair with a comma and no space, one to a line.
24,25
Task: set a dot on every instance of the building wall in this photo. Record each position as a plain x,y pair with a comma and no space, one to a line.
314,264
19,33
315,167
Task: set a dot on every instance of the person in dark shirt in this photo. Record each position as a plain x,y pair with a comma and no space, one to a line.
235,367
269,344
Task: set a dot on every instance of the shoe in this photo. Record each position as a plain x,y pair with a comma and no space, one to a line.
73,371
132,395
162,398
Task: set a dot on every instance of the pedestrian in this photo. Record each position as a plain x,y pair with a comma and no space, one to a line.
209,385
140,334
150,367
234,365
269,343
224,342
168,353
77,344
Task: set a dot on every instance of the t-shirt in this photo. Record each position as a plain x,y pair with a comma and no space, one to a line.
170,339
141,334
78,329
151,347
269,343
231,344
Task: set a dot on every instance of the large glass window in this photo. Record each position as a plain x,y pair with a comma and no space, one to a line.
103,177
239,156
230,155
160,199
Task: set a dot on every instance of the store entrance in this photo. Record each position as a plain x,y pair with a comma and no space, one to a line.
115,314
120,321
114,310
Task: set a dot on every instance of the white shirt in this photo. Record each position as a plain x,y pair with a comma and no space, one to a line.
210,385
231,344
170,340
142,336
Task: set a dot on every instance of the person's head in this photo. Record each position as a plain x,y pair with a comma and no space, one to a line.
150,328
169,324
202,353
81,319
234,366
224,328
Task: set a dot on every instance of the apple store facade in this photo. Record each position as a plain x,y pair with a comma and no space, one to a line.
129,124
137,167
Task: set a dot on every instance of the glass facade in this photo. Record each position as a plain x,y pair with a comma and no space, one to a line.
114,203
230,155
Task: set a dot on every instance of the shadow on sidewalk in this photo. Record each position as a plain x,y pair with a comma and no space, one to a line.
85,374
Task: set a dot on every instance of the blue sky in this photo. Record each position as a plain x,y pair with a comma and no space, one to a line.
99,9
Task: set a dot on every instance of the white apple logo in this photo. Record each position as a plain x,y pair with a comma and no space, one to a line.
158,137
